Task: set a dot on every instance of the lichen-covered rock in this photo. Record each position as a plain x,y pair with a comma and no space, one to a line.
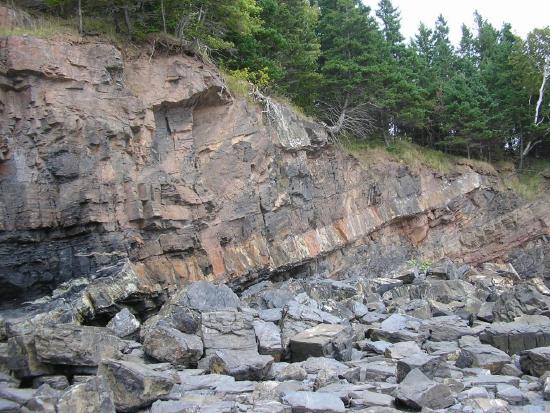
93,396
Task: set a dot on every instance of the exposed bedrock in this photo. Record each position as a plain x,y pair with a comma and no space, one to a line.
149,169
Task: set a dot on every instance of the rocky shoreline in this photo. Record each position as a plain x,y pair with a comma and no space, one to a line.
448,338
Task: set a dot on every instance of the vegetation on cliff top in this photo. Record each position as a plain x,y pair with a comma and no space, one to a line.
351,67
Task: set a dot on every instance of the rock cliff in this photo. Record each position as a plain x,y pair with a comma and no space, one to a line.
114,165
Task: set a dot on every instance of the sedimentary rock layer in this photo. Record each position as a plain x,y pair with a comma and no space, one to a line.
106,160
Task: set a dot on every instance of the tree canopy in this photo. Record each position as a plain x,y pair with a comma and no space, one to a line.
350,66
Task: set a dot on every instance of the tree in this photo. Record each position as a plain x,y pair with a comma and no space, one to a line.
391,25
350,64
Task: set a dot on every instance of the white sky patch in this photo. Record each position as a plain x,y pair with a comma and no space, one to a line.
523,15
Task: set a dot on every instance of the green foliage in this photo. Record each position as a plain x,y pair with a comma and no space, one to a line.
477,100
422,265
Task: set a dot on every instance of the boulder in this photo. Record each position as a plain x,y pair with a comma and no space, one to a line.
511,394
23,359
323,340
313,402
242,365
74,345
291,372
205,296
165,343
522,299
315,364
298,317
398,327
418,391
514,337
431,366
446,328
484,405
367,398
44,400
124,323
55,382
7,406
402,349
484,356
227,330
134,385
93,396
20,396
268,335
535,361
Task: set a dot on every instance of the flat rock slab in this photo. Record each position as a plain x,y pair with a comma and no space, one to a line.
312,402
367,398
323,340
517,336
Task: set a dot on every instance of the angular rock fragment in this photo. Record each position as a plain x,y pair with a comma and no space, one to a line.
418,391
23,359
511,394
367,398
74,345
268,335
474,354
535,361
165,343
227,330
123,324
291,372
323,340
93,396
204,296
134,385
431,366
242,365
313,402
525,334
55,382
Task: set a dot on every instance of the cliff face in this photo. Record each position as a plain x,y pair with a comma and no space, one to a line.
110,165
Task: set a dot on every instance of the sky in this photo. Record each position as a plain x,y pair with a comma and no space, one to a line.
523,15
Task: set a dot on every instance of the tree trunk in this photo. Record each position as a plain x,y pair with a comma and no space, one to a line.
163,15
468,149
127,19
521,153
545,76
80,25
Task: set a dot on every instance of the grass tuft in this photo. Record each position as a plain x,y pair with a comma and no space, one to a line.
531,183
